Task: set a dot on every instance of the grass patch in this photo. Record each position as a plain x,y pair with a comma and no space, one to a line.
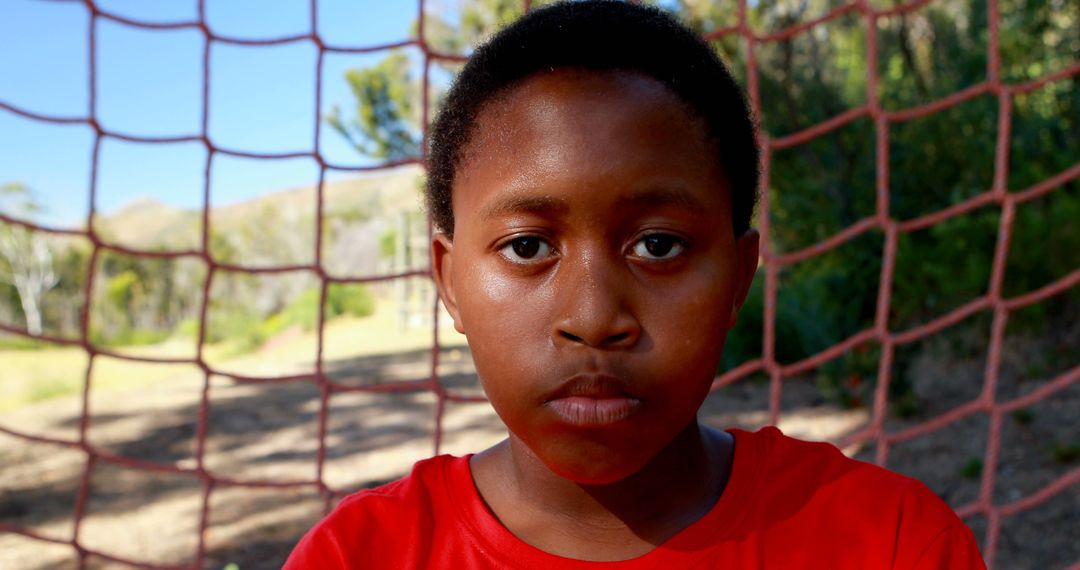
972,469
48,388
32,376
1023,416
1065,452
15,342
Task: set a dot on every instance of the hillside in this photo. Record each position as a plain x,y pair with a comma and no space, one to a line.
148,223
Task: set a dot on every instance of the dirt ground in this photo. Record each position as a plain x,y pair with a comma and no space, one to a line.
269,433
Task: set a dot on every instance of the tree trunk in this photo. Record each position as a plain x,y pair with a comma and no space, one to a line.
31,272
28,297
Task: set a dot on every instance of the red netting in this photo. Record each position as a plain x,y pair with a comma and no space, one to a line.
998,195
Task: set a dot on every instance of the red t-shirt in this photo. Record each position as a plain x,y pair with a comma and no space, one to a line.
788,504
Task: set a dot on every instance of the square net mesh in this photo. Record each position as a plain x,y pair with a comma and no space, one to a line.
993,302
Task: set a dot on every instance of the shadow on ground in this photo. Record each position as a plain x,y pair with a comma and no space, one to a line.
268,434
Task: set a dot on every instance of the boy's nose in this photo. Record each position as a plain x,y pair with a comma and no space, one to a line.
593,309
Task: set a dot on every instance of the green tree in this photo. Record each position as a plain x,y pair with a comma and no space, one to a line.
386,120
137,300
26,260
385,125
63,304
476,22
825,185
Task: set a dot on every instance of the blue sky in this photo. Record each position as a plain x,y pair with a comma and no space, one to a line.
149,83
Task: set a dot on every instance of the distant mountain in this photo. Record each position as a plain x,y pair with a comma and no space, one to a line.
151,224
147,222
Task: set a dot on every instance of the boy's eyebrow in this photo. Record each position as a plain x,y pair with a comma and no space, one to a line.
650,198
659,197
531,204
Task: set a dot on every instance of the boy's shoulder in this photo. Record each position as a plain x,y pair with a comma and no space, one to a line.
371,522
782,472
811,492
795,462
423,490
423,484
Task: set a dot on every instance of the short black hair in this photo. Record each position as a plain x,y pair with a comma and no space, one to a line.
603,35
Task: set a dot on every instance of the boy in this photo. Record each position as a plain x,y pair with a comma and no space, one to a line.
592,175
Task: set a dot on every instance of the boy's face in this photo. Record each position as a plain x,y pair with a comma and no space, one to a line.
593,267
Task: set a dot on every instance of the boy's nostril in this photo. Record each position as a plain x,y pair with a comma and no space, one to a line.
611,340
571,337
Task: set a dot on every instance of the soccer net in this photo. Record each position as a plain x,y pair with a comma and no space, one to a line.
746,39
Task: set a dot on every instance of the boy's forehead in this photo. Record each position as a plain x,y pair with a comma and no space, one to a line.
576,125
588,84
568,95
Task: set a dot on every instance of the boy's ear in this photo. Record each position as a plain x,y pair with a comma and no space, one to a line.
746,257
442,261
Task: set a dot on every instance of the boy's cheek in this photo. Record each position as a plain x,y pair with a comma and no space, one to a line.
497,289
492,298
700,305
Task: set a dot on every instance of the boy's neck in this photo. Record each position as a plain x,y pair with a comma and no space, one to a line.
615,521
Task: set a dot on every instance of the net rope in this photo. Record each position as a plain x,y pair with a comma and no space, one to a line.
993,301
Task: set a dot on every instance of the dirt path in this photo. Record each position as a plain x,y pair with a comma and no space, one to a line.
270,432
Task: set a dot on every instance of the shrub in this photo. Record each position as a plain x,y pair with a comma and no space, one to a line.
972,469
353,299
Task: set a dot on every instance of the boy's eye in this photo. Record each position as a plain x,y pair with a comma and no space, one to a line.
658,246
526,248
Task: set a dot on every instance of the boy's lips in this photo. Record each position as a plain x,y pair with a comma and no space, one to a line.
592,400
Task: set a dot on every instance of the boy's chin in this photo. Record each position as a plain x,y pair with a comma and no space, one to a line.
605,457
595,465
